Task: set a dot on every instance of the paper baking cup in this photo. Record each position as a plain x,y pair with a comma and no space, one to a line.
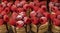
55,29
42,28
19,30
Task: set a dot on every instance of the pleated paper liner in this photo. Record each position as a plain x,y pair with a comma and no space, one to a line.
34,28
3,29
28,28
55,29
21,30
43,28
